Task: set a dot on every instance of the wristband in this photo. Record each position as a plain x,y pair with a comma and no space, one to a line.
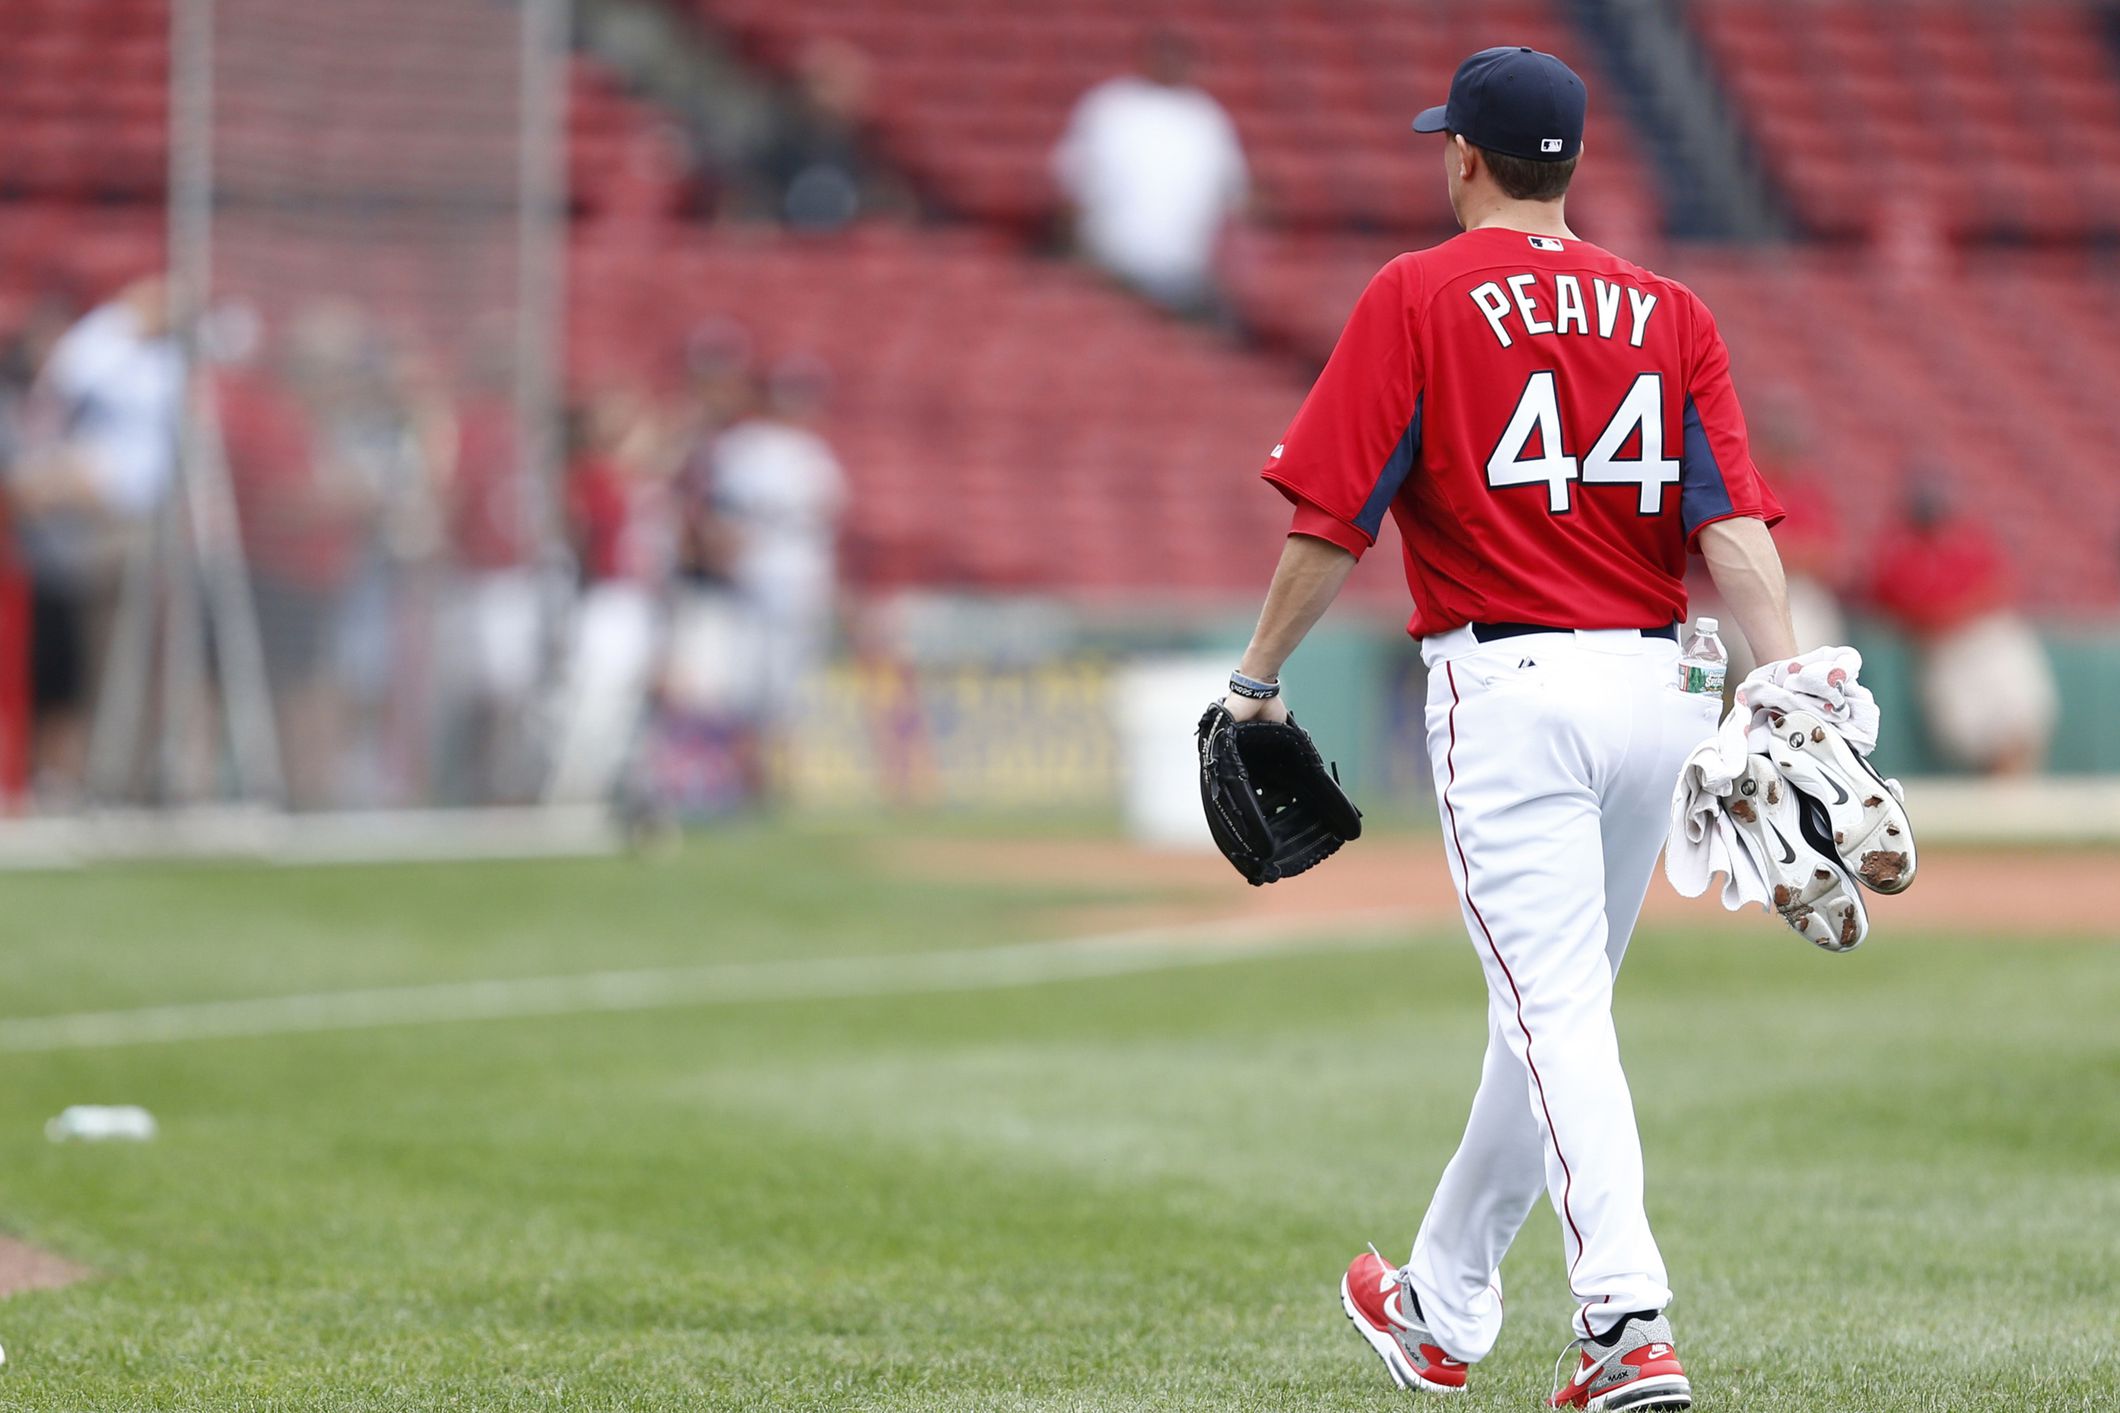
1252,687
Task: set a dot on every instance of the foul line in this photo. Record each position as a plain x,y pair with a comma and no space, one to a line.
730,983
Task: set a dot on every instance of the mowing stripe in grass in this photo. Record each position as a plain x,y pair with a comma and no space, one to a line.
731,983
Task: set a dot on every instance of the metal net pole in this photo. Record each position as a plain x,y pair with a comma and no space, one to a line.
368,201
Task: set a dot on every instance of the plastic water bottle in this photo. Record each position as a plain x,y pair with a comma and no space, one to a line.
1702,663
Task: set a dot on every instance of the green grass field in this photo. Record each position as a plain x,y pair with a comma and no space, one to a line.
1886,1181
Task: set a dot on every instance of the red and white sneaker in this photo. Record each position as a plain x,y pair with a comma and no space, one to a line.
1639,1370
1377,1299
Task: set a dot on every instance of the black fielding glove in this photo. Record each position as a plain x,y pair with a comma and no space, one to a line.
1273,806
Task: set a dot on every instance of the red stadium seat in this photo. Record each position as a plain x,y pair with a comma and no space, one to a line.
1992,111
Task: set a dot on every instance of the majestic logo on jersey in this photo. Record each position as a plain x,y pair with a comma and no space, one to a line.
1544,243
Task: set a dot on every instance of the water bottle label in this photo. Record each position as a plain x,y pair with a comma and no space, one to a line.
1703,677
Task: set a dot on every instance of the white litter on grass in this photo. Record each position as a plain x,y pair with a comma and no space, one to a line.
728,983
94,1123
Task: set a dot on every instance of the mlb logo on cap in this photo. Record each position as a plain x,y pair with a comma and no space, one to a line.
1551,144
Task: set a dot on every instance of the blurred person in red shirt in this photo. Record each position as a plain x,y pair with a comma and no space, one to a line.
1987,689
493,615
619,470
1808,537
616,493
334,451
302,523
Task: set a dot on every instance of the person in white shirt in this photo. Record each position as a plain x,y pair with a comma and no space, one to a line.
1153,170
778,487
117,378
97,454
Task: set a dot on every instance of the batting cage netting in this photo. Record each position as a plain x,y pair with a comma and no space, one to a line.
348,600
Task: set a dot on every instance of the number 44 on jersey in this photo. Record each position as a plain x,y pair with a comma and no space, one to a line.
1538,410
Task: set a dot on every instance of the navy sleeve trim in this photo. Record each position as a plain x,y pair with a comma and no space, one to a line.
1397,467
1703,494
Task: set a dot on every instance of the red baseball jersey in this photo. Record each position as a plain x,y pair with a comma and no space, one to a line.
1550,425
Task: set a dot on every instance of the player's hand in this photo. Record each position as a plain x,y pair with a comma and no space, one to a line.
1252,709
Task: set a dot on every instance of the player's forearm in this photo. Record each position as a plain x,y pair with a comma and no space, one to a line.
1747,572
1308,578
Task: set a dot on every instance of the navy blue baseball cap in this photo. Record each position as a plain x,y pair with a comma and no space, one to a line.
1515,101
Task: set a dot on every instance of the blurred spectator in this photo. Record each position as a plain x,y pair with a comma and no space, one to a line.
55,652
490,629
23,354
719,392
1908,240
616,470
753,618
116,379
1153,170
95,450
722,388
394,429
618,480
1809,535
637,196
705,755
308,500
1987,689
778,490
817,170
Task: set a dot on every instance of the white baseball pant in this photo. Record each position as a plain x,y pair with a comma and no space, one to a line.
1555,755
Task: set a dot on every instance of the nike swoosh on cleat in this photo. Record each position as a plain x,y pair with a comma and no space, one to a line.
1788,852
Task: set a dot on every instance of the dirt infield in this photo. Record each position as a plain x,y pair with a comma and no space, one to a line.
25,1267
2007,892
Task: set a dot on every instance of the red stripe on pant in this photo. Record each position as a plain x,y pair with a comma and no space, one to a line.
1567,1175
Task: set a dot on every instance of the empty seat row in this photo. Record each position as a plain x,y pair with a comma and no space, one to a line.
1979,120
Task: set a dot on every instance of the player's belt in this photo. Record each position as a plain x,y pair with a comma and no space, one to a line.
1494,632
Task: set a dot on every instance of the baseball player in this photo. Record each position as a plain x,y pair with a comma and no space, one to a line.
1553,429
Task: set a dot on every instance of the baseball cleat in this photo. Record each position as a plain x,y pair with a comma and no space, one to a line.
1380,1302
1867,813
1791,837
1638,1370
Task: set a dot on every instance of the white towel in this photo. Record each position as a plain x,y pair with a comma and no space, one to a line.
1826,681
1701,843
